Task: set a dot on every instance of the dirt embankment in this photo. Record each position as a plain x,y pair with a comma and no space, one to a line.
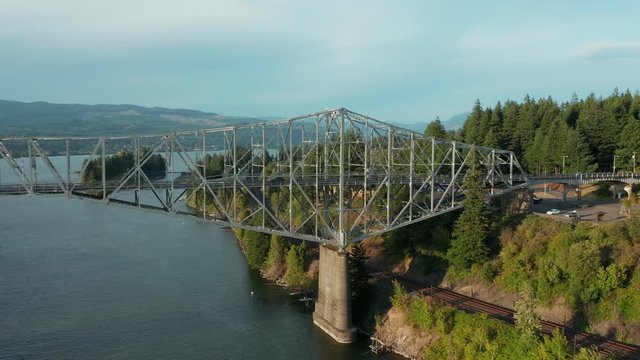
395,331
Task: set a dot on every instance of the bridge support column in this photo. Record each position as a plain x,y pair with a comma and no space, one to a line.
333,307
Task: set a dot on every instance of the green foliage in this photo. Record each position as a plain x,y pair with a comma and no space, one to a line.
526,319
585,133
275,255
421,313
628,300
587,354
400,298
41,118
256,247
358,274
435,129
295,265
554,347
468,244
118,164
595,268
462,335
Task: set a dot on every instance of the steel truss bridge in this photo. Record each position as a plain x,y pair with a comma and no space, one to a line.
334,177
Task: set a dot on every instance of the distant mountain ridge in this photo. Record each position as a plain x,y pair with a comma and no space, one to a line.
48,119
454,123
43,118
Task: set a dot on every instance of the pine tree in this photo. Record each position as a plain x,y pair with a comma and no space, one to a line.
472,127
509,123
579,158
275,257
629,143
294,275
435,129
256,247
470,230
491,140
525,129
358,274
534,153
495,126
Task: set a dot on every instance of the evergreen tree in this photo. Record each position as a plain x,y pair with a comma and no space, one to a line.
579,158
629,143
470,230
586,133
551,155
256,246
472,127
483,127
509,123
435,129
275,255
602,130
495,126
526,128
294,276
358,274
534,154
491,140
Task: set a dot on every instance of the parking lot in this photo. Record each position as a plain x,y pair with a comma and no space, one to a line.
586,210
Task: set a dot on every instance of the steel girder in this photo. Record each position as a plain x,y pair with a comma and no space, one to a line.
333,177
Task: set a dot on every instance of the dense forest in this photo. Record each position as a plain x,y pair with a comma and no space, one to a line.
118,164
588,134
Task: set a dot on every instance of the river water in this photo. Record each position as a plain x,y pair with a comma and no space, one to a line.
84,280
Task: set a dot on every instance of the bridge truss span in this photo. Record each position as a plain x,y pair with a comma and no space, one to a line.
334,177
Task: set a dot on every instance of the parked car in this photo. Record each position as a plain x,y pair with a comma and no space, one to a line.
553,212
571,214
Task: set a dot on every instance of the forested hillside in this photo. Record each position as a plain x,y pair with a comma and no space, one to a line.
42,118
586,132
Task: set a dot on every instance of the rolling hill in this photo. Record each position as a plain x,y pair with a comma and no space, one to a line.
47,119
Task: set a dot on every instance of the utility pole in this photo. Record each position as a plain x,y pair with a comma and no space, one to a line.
634,162
563,157
614,164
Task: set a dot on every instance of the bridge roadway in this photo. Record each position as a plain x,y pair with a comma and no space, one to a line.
578,179
440,184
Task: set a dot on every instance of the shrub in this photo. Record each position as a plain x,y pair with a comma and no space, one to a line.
421,313
400,298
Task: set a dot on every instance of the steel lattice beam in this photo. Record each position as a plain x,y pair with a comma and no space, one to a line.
332,177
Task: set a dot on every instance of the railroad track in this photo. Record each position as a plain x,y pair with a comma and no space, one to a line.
603,345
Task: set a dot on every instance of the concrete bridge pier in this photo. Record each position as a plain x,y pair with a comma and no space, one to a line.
333,307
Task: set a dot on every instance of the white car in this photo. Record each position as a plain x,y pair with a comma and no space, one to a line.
553,212
571,214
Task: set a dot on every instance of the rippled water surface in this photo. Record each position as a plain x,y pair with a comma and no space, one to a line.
83,280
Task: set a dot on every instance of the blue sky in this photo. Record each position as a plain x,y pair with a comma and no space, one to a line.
404,61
